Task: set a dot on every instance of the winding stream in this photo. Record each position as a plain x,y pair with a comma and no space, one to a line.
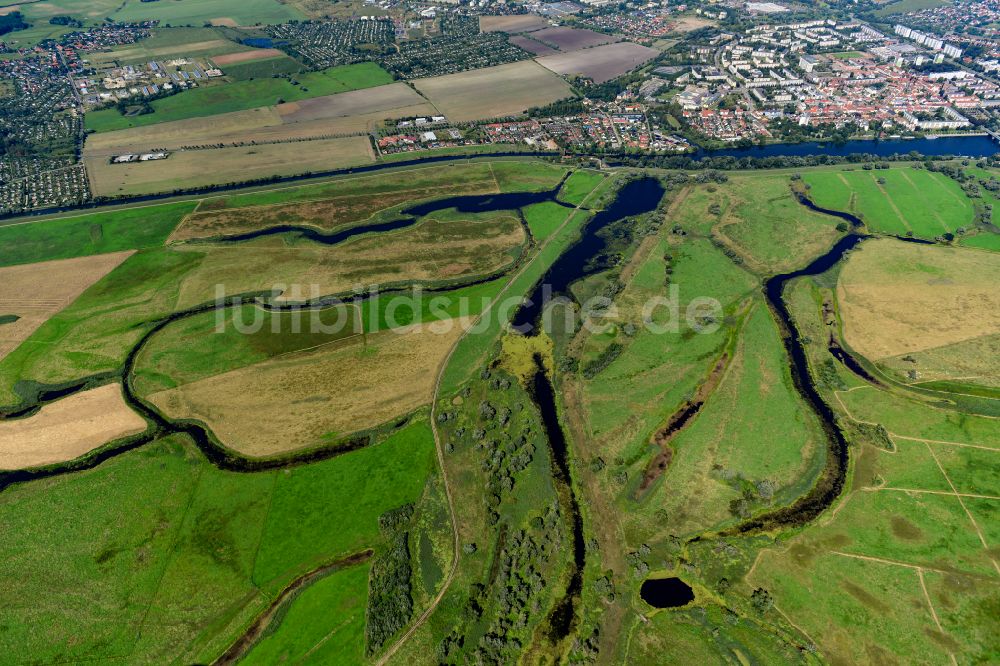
471,203
832,479
214,451
582,259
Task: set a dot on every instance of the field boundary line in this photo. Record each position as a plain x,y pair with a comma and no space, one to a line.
920,195
972,520
934,615
929,492
934,177
882,560
941,441
892,203
169,560
442,368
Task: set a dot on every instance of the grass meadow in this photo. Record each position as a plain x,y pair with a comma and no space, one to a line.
176,556
910,201
196,12
90,233
766,225
324,624
244,94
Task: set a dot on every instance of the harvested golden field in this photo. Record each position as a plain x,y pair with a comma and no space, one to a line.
438,248
177,133
512,24
246,56
35,292
217,166
899,298
325,214
310,398
67,429
344,113
493,92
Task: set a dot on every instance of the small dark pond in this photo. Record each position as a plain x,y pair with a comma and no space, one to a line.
666,592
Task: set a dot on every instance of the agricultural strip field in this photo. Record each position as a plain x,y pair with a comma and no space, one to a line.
218,166
36,292
216,548
531,46
94,333
901,298
566,39
345,113
442,246
68,428
170,42
600,63
388,374
909,200
244,95
512,24
246,56
493,92
88,234
235,12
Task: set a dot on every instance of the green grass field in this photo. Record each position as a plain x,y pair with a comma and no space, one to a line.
176,555
242,95
90,233
325,623
579,185
196,12
910,201
904,6
166,43
768,226
262,69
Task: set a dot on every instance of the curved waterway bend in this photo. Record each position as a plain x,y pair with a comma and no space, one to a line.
466,203
216,453
581,260
831,482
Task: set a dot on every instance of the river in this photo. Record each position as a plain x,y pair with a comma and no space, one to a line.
965,146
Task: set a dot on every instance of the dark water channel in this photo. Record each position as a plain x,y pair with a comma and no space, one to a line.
584,258
666,592
832,481
469,203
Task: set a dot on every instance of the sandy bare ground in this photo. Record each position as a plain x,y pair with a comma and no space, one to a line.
67,429
35,292
246,56
512,24
307,398
899,298
493,92
600,63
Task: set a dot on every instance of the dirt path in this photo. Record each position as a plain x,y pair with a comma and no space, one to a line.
439,446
